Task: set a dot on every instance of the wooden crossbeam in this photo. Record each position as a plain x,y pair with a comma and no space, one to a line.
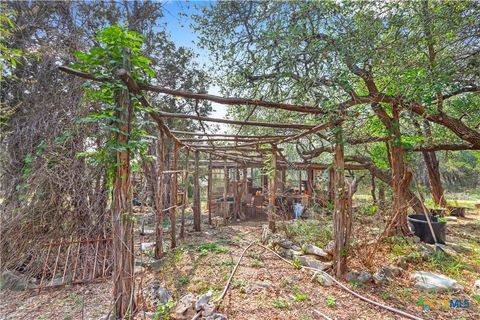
229,135
236,122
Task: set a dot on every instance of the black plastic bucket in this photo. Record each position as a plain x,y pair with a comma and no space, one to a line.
419,225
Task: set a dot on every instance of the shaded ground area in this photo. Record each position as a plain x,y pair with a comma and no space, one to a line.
265,287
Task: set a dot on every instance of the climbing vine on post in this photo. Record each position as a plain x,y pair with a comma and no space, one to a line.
122,140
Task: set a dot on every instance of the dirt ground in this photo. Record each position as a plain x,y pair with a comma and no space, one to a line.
264,286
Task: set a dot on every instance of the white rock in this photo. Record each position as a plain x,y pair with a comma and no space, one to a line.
311,249
429,281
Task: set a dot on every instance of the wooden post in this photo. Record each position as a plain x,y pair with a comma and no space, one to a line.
173,196
185,193
237,193
331,185
272,190
300,181
121,208
159,195
340,223
310,187
284,179
196,196
209,189
225,192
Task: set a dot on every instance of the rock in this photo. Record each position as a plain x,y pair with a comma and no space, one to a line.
387,273
160,293
352,276
146,232
402,262
429,281
155,264
476,287
203,300
450,218
208,310
296,248
379,277
322,279
375,230
416,239
286,253
311,249
285,243
217,316
330,247
185,307
147,246
364,277
314,263
14,281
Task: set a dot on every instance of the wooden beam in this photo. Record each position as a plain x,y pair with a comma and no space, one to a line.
235,122
227,135
229,140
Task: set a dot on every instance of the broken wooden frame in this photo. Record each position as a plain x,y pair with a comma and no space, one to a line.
78,267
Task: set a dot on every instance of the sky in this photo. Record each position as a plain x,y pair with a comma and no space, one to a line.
181,33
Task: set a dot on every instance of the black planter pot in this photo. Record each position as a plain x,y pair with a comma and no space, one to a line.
419,225
458,212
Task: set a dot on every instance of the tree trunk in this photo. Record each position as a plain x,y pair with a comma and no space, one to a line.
173,197
340,215
123,251
159,201
272,191
373,190
433,170
196,196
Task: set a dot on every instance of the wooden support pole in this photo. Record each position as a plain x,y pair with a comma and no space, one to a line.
310,184
300,181
173,196
284,179
272,191
340,214
331,185
209,189
237,195
121,208
196,196
159,195
185,193
225,193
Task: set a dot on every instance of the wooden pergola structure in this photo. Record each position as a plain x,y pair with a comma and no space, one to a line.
224,151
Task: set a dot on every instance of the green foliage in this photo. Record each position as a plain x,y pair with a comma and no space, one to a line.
400,246
331,302
446,264
214,247
300,296
297,265
281,304
183,280
163,311
310,231
116,48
